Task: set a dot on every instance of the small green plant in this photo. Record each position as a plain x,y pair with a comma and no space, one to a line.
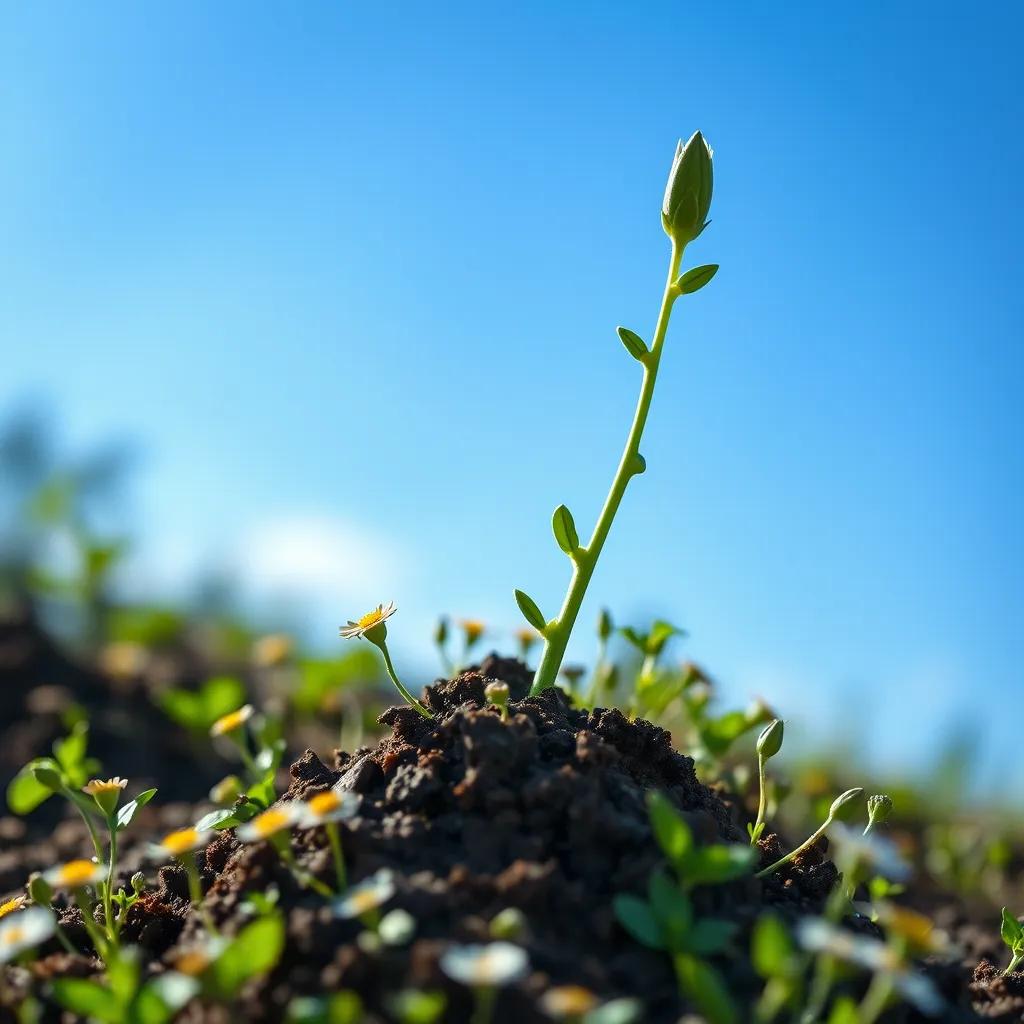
198,710
666,921
497,693
769,743
373,627
842,801
1013,935
684,215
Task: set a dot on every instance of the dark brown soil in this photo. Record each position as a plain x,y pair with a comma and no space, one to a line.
544,813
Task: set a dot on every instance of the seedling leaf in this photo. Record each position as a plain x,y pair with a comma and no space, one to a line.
255,951
670,830
695,279
530,611
633,342
704,986
564,529
636,917
128,812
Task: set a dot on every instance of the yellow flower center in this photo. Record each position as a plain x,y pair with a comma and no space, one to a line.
77,872
231,722
192,963
271,822
14,935
364,901
370,619
104,786
570,1000
180,842
324,803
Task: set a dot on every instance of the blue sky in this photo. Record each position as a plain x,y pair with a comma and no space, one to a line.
350,278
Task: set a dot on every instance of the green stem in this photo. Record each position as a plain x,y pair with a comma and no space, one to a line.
878,995
195,891
95,935
381,644
762,800
108,889
809,841
484,999
334,839
556,633
1014,963
282,844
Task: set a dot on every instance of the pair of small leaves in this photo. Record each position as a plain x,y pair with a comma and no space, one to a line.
197,710
695,865
695,279
654,641
1012,932
755,833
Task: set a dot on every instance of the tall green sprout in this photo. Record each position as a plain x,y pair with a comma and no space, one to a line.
684,216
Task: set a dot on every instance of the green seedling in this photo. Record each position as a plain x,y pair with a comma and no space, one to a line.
122,998
1013,935
769,743
844,800
198,710
66,772
666,921
497,693
776,960
373,627
216,969
684,216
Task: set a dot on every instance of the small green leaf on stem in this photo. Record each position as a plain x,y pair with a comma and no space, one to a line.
634,343
531,612
564,529
695,279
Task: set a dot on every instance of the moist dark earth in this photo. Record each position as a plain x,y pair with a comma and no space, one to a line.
544,813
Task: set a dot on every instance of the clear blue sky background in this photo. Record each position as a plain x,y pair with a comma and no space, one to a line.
350,274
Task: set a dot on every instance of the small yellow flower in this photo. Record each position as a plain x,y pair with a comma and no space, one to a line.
185,840
269,823
271,650
332,805
76,874
231,723
568,1001
13,904
97,787
474,629
368,895
359,628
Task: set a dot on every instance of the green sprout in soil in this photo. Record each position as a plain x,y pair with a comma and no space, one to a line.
842,801
879,809
769,743
684,216
1012,933
666,919
373,627
497,693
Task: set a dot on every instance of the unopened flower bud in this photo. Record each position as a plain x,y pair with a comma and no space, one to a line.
138,882
769,743
498,694
40,890
508,924
843,801
879,808
684,210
